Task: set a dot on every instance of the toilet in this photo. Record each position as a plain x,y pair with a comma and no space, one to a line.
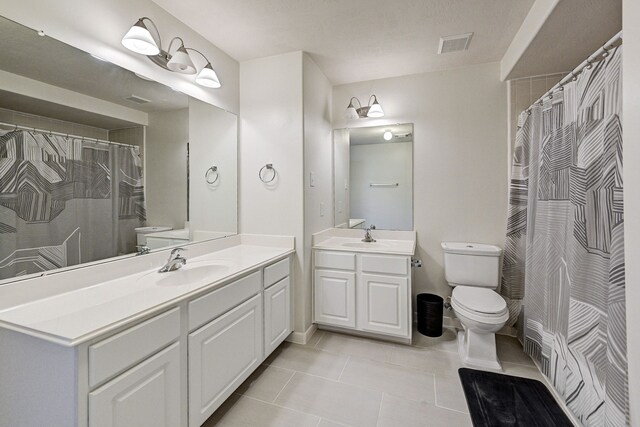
473,270
141,233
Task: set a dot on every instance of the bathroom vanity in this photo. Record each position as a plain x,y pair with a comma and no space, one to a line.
364,287
125,345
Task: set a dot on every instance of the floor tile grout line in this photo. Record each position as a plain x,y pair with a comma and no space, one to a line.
450,409
282,407
380,410
293,373
343,368
319,339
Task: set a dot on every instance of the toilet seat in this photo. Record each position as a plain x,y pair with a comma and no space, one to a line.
480,300
480,304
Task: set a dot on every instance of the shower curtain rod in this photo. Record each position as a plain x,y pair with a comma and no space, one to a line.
50,132
599,55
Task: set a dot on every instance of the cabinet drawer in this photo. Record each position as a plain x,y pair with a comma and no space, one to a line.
276,272
385,264
117,353
221,300
147,395
335,260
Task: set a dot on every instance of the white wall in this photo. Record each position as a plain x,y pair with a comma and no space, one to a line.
213,136
271,132
97,26
388,208
165,167
341,161
460,147
285,119
318,203
631,116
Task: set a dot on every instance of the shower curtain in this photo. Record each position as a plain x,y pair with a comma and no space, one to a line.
563,269
65,201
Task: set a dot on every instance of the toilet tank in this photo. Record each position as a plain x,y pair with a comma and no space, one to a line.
472,264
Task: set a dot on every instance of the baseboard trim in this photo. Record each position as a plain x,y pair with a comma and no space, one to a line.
302,337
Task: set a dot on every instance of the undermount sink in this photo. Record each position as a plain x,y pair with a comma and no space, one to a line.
189,274
365,244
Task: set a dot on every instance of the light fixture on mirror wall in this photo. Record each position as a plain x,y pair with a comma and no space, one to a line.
370,110
140,40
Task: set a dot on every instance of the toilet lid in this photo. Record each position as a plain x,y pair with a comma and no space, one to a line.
480,300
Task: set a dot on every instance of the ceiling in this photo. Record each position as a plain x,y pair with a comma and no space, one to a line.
356,40
53,62
574,30
25,104
374,134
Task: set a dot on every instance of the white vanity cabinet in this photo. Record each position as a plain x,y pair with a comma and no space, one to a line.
335,298
363,292
140,386
172,368
278,316
222,354
147,395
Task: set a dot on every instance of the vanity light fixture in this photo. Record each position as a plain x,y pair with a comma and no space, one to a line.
371,110
140,40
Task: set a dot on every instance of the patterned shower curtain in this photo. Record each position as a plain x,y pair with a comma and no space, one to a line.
563,272
65,201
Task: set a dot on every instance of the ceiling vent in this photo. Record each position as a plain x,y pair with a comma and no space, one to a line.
455,43
137,99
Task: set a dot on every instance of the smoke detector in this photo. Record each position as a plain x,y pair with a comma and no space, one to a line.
137,99
456,43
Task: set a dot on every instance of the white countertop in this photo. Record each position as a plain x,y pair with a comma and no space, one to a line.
387,241
73,317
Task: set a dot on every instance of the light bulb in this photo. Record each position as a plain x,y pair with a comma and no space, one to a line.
387,135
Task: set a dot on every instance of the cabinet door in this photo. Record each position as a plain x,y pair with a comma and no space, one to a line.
383,304
222,354
335,298
146,395
277,314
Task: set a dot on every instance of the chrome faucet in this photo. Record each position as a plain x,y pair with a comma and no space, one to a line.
143,249
175,261
367,235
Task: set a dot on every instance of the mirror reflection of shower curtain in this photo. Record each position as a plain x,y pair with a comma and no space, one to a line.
65,201
563,270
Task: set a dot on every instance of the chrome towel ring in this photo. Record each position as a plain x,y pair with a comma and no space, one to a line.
268,167
212,171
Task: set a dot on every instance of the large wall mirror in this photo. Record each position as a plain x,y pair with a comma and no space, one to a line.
98,162
373,177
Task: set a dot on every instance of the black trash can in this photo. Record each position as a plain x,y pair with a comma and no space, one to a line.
430,314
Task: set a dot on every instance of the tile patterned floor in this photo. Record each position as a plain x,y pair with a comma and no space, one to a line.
340,380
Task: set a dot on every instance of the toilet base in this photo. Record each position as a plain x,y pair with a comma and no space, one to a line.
478,350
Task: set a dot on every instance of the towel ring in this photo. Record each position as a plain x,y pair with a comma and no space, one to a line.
212,170
268,166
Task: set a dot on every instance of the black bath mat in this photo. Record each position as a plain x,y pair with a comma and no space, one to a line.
497,400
